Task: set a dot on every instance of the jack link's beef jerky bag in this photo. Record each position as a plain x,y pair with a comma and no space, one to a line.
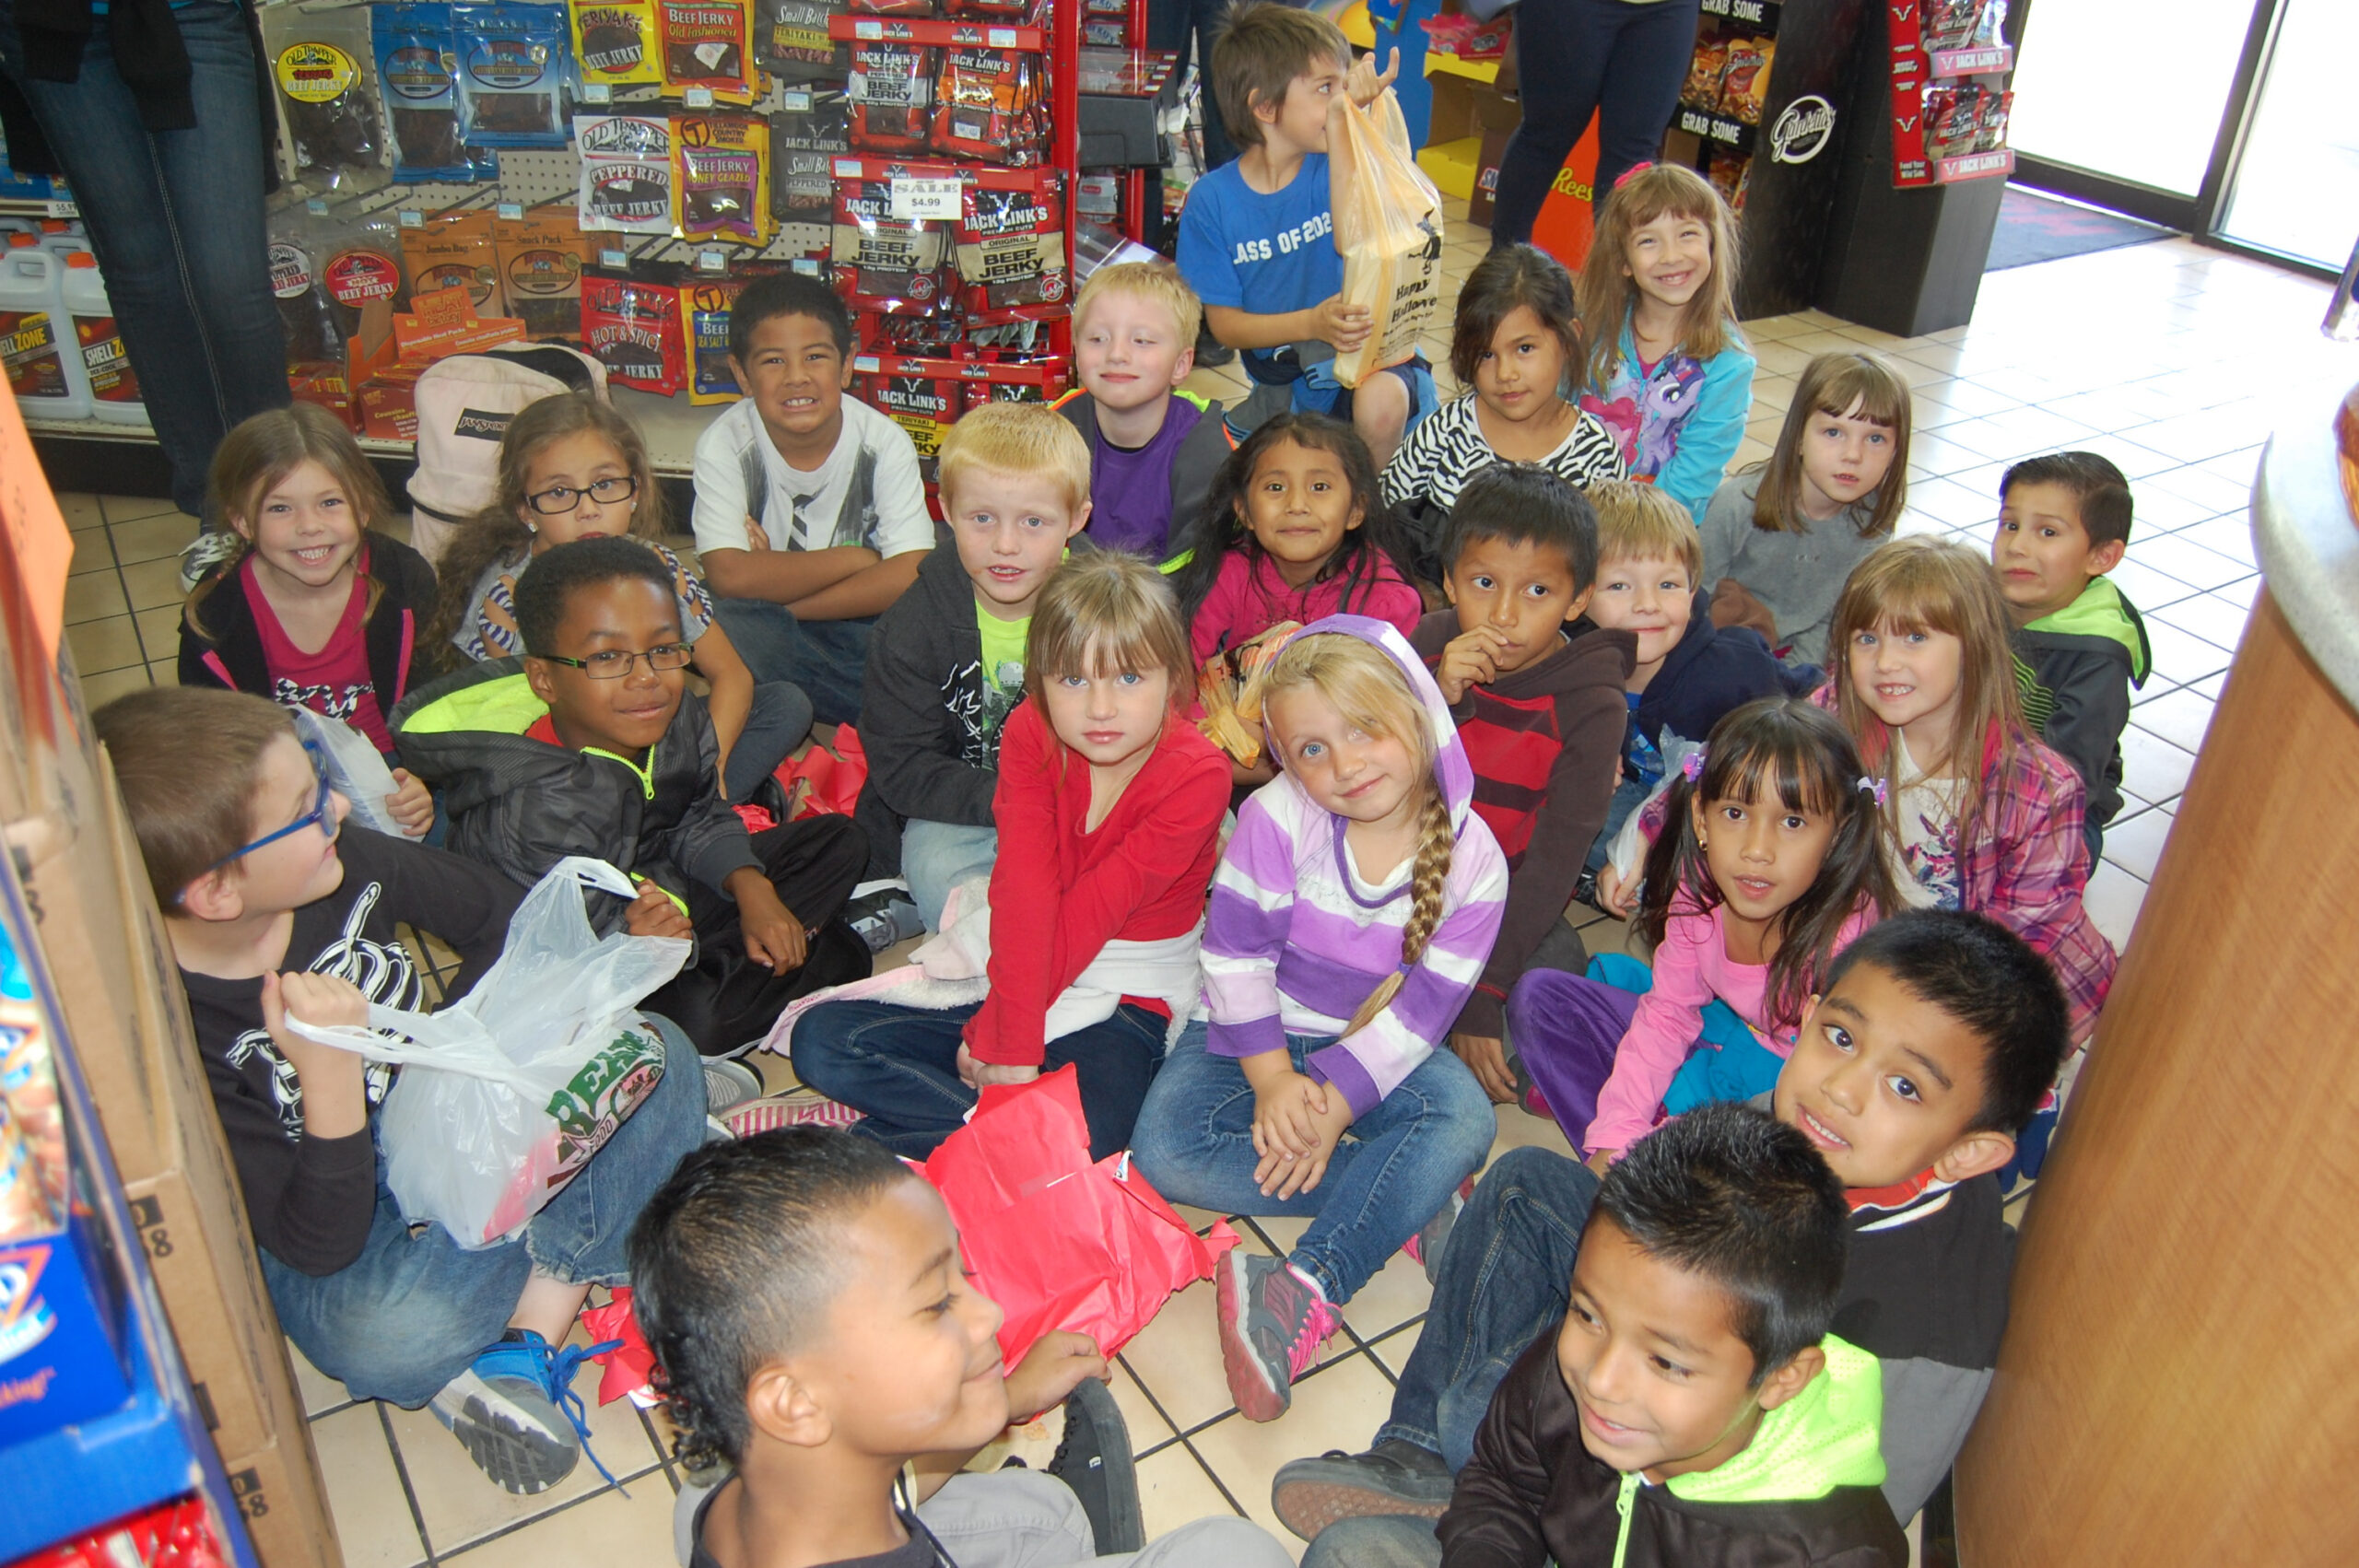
890,89
327,93
924,397
1012,241
613,42
810,130
708,45
984,101
1388,225
791,41
511,75
418,62
883,262
626,173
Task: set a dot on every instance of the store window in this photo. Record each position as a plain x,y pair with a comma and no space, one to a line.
2295,187
2085,65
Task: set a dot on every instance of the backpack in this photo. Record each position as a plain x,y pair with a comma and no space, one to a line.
464,402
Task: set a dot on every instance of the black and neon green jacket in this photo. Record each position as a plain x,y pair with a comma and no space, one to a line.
520,804
2075,669
1806,1491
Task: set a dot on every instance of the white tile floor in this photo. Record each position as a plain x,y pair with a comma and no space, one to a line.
2173,360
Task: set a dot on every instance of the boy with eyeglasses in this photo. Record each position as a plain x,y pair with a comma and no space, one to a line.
273,906
590,744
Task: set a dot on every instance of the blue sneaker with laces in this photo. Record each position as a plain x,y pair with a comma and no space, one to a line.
516,1414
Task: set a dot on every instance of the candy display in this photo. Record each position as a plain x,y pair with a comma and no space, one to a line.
512,73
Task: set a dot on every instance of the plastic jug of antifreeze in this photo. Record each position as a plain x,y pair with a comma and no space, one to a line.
114,386
37,347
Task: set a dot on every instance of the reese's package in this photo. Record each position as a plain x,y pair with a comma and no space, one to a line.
1012,241
890,90
512,73
540,257
631,321
884,262
626,173
721,170
614,42
708,45
451,248
327,95
810,129
418,62
791,41
986,104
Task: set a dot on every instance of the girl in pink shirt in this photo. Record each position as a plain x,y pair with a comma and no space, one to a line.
1771,861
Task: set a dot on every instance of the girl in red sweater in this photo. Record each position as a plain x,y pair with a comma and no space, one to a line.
1109,810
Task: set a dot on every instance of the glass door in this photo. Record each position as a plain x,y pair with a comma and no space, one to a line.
2294,186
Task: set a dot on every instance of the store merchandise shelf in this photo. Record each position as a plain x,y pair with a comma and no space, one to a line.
1948,63
1715,127
1484,71
1995,164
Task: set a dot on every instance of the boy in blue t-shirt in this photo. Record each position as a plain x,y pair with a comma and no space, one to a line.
1257,239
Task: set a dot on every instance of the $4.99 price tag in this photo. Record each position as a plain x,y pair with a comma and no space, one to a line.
917,199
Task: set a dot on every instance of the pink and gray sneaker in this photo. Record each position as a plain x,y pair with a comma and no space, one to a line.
1273,1322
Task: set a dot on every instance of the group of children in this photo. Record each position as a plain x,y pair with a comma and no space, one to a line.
1849,785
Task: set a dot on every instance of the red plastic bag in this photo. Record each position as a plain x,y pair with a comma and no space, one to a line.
629,1366
1058,1241
834,776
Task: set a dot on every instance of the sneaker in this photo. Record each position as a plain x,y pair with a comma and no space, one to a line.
728,1083
1211,352
1272,1321
797,1107
1426,1245
204,553
516,1414
1094,1459
883,918
1391,1478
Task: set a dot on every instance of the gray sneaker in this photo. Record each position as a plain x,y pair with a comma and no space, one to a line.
728,1083
505,1412
1391,1478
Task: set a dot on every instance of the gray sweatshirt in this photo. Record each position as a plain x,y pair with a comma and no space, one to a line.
1799,576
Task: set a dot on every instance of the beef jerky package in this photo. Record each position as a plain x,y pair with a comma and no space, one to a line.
1024,13
1012,241
626,173
890,89
613,42
895,7
417,61
983,100
541,256
924,337
924,397
1996,108
708,44
791,41
453,248
362,273
314,334
631,321
512,73
720,169
810,130
705,304
327,95
900,265
1950,24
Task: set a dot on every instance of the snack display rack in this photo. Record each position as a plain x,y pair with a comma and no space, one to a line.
1950,100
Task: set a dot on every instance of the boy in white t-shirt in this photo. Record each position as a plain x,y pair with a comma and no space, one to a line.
810,517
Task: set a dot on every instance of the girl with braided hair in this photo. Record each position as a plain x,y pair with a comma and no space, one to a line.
1353,910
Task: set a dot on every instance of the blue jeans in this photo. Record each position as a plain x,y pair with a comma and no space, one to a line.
176,220
1504,1275
827,658
938,856
1376,1540
899,1064
415,1308
775,724
1392,1171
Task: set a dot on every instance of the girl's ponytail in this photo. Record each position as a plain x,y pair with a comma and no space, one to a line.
1428,880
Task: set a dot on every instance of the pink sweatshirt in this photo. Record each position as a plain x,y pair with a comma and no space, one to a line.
1245,601
1692,966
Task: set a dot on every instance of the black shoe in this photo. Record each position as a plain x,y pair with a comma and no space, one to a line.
884,917
1210,351
1394,1478
1094,1459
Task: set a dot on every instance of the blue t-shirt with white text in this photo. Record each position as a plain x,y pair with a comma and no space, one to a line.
1262,254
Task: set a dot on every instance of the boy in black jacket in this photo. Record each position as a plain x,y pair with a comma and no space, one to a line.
590,745
271,911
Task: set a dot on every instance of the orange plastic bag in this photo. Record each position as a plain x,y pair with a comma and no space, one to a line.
1058,1241
1388,226
834,777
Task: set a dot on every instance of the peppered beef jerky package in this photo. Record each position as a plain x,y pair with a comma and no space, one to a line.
708,45
1012,241
791,41
614,42
540,257
631,321
983,99
811,128
417,61
890,89
721,172
453,248
327,95
881,263
512,73
626,173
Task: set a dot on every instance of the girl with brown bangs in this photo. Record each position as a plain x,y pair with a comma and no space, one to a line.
1780,538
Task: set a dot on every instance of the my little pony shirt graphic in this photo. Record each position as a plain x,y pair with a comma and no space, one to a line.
1645,409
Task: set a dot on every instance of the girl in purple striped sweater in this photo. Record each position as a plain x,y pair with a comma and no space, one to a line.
1352,913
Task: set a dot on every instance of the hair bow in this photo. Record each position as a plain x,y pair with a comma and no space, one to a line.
1624,177
1875,787
1692,767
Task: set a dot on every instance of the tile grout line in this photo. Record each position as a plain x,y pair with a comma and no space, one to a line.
516,1526
409,1492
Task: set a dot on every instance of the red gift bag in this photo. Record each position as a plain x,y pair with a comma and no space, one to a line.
834,776
1058,1241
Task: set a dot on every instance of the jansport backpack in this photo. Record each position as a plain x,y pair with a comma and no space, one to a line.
463,405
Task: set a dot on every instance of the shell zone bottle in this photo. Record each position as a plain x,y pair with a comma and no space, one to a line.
114,385
37,348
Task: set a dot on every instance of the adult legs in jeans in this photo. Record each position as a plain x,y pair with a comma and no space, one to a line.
1383,1540
1506,1274
938,856
414,1310
899,1064
775,724
1186,27
1620,61
827,659
1566,1030
176,219
1392,1171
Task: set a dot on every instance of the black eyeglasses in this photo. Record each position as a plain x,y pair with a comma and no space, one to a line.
319,815
613,663
558,498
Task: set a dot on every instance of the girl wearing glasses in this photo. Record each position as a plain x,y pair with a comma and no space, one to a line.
571,467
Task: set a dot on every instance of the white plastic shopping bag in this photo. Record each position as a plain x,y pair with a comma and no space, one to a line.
506,1094
356,770
1388,226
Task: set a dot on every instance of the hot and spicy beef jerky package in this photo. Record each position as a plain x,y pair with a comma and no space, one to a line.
884,262
987,103
626,173
720,164
541,256
810,130
1012,241
922,396
327,95
890,88
614,42
417,59
453,248
631,321
511,75
791,41
708,44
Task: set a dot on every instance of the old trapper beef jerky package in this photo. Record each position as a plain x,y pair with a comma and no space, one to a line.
721,165
327,93
1012,241
883,262
632,324
708,44
891,88
626,173
417,59
511,75
453,248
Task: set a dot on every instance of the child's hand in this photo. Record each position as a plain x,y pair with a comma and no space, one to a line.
1344,326
981,1075
1286,1115
1057,1363
773,936
756,536
1618,895
322,1001
1469,659
1281,1176
1362,81
1488,1058
652,912
412,804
